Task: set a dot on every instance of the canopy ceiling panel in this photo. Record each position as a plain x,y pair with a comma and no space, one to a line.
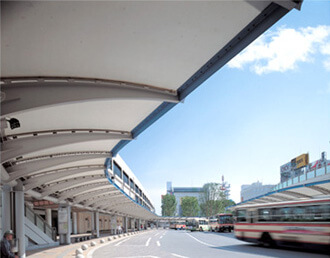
141,42
80,79
118,115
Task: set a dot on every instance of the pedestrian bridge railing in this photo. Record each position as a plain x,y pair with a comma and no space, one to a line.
302,178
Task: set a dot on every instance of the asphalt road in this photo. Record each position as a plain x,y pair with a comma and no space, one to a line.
172,243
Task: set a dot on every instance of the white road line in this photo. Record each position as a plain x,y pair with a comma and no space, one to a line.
158,243
180,256
157,234
200,241
161,237
148,241
118,244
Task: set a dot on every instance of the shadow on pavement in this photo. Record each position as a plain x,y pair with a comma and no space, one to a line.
271,252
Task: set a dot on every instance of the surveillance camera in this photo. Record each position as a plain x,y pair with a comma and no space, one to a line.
14,123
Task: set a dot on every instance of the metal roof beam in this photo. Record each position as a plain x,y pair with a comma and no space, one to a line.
36,164
105,198
319,189
297,195
21,144
86,188
71,183
57,176
32,93
95,194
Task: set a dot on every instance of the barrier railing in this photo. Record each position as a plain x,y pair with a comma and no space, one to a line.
40,223
309,175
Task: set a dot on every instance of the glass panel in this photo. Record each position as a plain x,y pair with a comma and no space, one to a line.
320,171
241,215
29,214
264,215
117,170
289,182
310,174
302,178
48,231
328,169
40,223
137,189
296,180
126,180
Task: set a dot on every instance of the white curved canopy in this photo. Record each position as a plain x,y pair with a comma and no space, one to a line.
84,78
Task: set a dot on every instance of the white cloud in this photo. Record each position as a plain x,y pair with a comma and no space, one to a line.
325,50
283,49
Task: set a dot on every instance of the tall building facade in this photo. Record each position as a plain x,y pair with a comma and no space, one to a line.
253,190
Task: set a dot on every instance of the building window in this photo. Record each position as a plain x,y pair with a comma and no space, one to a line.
117,169
137,189
126,180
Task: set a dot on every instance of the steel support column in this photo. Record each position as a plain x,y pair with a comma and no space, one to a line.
19,218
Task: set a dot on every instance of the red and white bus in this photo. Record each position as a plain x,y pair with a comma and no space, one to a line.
303,223
221,222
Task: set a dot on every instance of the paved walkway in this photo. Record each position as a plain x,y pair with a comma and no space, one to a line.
69,251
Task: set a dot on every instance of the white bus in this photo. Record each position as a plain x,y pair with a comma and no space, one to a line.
197,224
299,223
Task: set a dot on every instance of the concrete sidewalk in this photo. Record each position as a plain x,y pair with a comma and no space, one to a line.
69,251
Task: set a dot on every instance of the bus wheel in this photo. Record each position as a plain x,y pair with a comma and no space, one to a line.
266,240
200,229
229,230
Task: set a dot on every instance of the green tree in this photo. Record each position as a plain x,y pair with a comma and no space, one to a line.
190,207
168,205
213,201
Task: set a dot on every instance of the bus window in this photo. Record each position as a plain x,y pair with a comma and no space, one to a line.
241,216
298,214
285,214
264,215
318,213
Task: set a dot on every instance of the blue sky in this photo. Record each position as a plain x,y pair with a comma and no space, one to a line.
269,105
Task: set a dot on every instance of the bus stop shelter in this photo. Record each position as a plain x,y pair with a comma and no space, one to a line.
80,80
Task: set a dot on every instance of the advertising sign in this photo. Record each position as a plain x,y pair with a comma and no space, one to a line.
300,161
286,168
62,220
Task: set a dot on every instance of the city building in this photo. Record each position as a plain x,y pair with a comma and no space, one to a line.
296,172
180,192
253,190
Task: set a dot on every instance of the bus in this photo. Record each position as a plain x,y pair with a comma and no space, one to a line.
178,224
304,223
197,224
222,222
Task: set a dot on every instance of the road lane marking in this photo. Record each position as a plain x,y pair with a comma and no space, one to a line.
180,256
161,237
148,241
158,243
118,244
200,241
157,234
148,256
